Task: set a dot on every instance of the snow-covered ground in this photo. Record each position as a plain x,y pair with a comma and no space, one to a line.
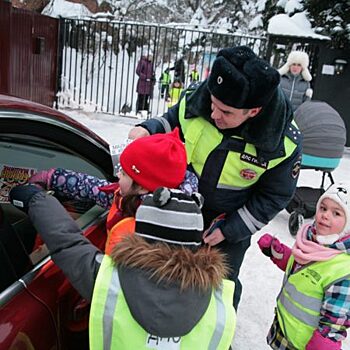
261,279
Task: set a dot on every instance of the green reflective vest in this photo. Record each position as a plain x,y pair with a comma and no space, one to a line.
174,96
112,326
241,169
300,300
194,75
165,79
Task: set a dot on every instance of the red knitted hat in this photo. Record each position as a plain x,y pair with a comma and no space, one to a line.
156,160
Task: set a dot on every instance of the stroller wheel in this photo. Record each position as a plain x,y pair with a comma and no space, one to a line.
296,220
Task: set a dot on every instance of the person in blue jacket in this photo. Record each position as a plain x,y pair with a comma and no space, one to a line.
242,145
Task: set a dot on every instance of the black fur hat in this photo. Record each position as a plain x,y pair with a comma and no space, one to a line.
242,80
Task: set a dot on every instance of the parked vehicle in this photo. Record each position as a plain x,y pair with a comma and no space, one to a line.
39,309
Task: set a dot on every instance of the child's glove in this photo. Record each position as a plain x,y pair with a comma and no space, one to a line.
275,250
319,342
271,246
20,196
42,178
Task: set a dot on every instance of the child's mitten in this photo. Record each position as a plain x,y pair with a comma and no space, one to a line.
275,250
21,195
319,342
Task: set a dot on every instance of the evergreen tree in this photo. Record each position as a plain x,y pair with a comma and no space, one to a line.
271,9
331,18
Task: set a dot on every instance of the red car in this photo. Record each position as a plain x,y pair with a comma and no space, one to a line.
39,309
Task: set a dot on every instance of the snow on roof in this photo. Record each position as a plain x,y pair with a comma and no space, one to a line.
297,25
56,8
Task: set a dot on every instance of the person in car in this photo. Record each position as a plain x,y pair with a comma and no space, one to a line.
158,286
155,161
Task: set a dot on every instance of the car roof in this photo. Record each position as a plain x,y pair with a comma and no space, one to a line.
13,103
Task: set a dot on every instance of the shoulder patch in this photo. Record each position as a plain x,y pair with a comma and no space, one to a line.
296,169
193,85
294,133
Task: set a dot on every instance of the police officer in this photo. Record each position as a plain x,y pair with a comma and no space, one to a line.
241,143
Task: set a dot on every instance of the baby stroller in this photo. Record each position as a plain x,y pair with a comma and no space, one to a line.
324,136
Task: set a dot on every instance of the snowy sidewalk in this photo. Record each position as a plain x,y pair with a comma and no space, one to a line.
261,279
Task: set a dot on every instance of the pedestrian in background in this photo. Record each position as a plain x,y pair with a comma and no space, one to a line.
295,78
165,81
175,92
145,83
179,69
194,75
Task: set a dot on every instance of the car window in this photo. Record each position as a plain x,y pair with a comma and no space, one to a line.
21,155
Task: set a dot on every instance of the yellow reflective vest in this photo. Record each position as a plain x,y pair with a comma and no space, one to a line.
241,169
194,75
165,79
113,327
300,300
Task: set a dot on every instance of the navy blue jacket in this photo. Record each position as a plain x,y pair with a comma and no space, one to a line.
248,210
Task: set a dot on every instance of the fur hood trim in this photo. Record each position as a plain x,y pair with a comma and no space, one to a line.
204,268
301,58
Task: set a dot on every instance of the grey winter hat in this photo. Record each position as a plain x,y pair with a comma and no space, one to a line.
171,216
242,80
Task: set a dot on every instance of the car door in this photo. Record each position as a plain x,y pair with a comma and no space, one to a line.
38,307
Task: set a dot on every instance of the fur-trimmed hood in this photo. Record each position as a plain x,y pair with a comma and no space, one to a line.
265,131
202,269
298,57
167,289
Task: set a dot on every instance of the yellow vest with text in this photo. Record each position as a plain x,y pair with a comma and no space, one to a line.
300,300
112,326
202,137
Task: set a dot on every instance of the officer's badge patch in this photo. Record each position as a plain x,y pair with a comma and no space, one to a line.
248,158
296,169
248,174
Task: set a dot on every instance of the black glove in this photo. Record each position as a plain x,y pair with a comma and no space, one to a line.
20,196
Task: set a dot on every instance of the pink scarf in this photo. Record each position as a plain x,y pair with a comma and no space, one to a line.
305,251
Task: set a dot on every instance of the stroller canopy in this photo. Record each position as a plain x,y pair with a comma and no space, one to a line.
323,129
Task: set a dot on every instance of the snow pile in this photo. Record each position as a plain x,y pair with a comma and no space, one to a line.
297,25
62,8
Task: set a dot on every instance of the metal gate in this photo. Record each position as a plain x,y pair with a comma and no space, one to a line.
99,61
28,46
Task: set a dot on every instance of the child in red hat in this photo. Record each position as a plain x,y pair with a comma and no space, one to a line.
145,164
